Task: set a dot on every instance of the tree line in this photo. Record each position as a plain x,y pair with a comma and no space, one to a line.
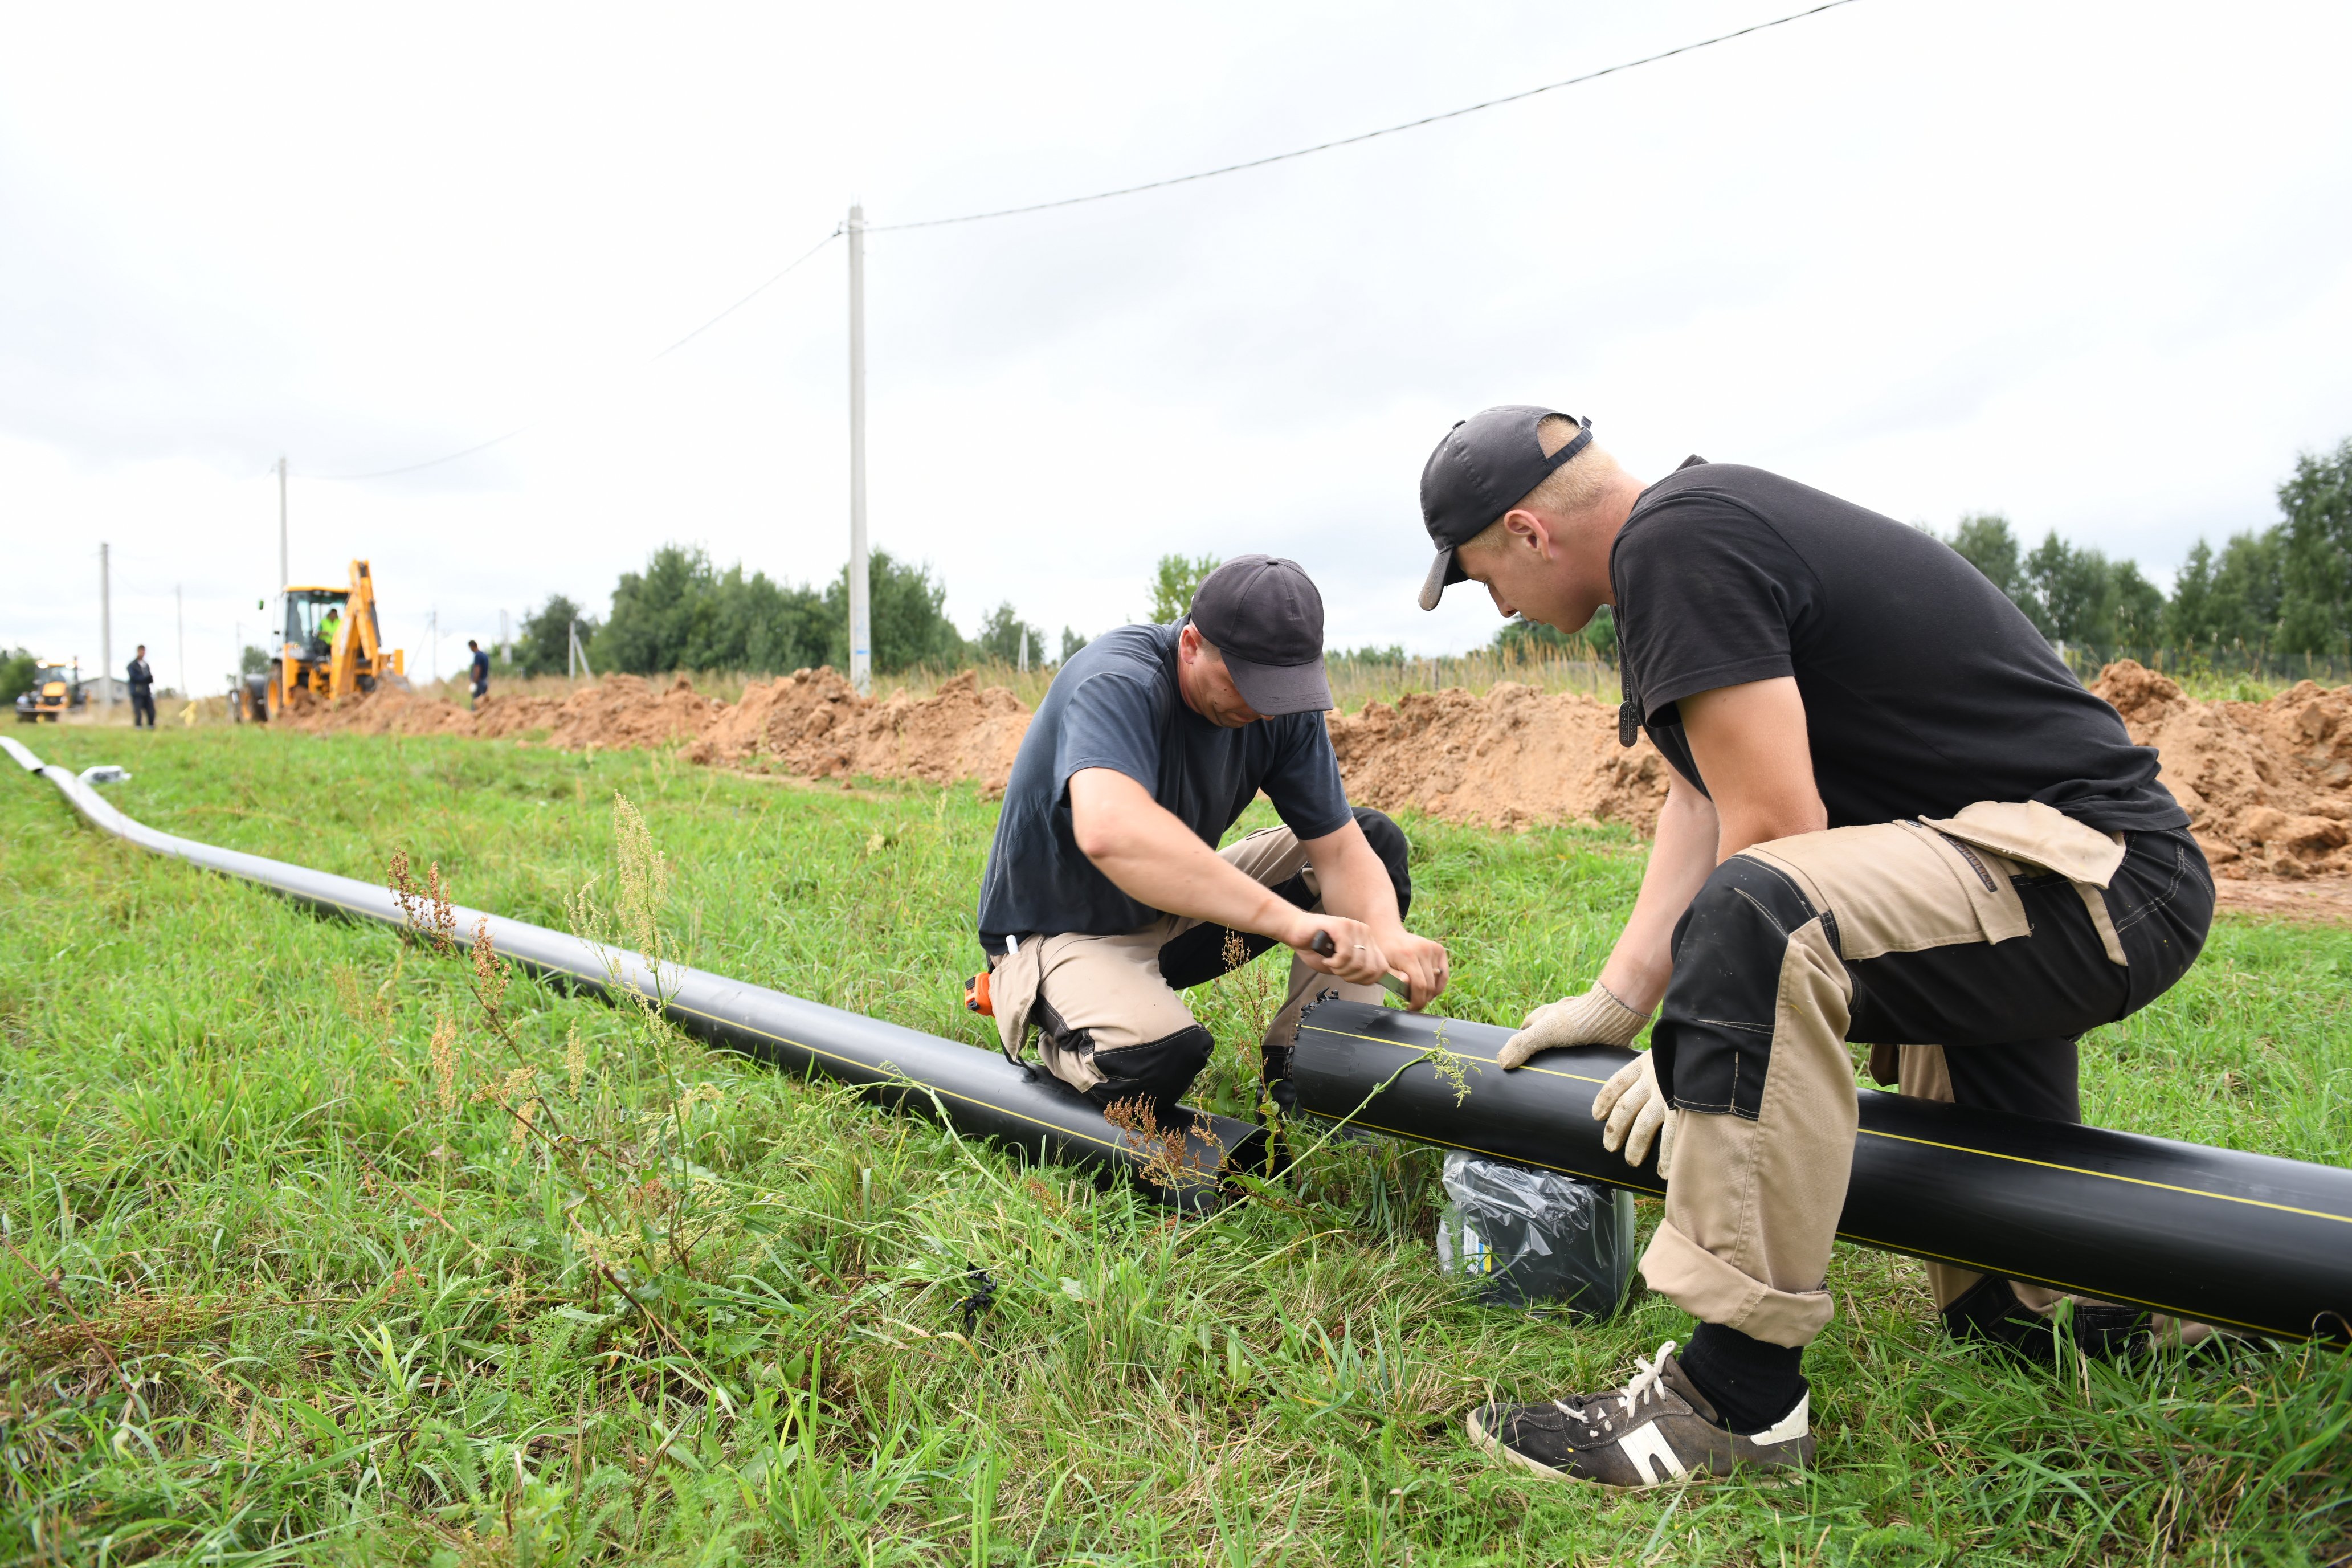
2286,588
683,612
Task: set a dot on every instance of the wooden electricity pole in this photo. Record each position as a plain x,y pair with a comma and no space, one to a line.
861,652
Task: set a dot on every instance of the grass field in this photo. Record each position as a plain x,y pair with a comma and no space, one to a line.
306,1259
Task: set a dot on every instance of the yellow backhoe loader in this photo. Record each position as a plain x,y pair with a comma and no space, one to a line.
334,647
57,690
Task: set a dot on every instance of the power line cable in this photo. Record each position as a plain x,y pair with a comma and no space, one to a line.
519,429
1427,119
1364,135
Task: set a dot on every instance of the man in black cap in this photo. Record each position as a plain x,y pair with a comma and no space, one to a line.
1105,894
1895,817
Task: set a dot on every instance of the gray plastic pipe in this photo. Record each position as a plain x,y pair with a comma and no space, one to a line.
979,1093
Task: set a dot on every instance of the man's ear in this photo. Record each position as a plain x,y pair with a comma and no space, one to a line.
1526,528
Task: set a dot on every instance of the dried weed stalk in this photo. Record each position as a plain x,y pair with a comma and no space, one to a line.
643,881
646,1227
426,908
1165,1148
445,1066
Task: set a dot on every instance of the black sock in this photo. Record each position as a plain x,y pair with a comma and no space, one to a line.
1750,1384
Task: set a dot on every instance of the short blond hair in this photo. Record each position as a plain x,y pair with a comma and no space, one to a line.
1569,489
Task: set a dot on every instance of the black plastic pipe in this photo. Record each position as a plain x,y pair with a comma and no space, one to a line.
2244,1241
981,1093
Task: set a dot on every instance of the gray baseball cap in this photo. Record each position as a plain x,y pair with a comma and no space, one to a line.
1262,614
1484,468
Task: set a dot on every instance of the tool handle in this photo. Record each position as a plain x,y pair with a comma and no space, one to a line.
1324,944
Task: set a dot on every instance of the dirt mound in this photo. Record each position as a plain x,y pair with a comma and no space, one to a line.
1511,758
388,710
623,710
814,724
2267,786
810,722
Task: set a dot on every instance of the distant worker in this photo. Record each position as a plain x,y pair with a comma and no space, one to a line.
331,625
1895,817
1105,894
481,673
142,691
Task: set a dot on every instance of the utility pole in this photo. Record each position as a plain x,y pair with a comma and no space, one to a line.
861,653
432,625
180,617
284,575
506,643
105,632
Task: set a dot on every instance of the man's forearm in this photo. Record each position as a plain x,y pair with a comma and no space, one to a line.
1682,856
1352,880
1181,876
1155,859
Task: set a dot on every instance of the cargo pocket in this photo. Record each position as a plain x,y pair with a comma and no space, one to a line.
1898,887
2039,835
1012,983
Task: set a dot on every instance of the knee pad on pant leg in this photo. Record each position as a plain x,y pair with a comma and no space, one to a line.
1389,842
1157,1072
1713,1043
1988,1312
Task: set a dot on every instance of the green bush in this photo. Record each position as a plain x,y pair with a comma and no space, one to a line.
17,669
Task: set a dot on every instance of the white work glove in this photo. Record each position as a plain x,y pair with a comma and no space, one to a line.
1595,1018
1636,1113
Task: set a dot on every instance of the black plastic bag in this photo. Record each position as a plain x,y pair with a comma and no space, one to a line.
1523,1237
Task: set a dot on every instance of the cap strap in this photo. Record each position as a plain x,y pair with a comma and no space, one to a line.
1577,443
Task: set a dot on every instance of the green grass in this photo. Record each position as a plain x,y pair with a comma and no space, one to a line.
265,1296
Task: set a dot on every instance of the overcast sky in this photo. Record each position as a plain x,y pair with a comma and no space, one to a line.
2090,266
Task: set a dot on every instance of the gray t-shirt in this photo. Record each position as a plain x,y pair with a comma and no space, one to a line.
1115,705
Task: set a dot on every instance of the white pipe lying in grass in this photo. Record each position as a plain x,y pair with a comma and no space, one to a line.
978,1091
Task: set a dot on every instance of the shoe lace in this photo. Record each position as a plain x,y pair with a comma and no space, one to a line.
1641,1389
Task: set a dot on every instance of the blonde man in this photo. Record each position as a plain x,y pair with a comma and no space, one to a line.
1895,817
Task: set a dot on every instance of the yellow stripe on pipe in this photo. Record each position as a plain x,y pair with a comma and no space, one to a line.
1929,1143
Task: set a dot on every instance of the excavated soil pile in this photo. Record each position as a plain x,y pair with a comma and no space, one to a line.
810,724
814,723
2267,786
1513,757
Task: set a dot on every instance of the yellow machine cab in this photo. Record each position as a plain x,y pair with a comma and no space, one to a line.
331,648
57,691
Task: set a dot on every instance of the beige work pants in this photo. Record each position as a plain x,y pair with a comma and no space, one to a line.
1992,927
1093,996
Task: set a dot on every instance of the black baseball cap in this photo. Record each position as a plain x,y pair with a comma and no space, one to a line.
1484,468
1263,615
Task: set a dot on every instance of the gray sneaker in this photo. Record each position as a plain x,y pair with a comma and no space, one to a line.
1656,1429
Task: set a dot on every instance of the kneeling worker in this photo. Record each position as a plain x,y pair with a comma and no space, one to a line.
1106,895
1895,817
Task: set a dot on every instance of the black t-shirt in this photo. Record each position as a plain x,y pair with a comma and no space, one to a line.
1925,689
1115,705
